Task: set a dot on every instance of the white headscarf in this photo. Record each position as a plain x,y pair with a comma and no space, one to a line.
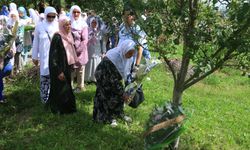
78,24
85,16
49,9
12,6
97,23
3,24
50,27
11,21
34,15
41,16
117,56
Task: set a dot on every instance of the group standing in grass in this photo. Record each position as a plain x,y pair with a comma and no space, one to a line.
69,47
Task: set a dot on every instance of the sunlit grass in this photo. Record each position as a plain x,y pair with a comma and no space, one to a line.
217,110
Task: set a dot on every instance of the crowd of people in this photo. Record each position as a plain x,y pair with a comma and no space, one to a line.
74,47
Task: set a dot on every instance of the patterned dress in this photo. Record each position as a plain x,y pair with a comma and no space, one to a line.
108,101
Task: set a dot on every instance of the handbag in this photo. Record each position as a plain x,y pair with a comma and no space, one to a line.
138,98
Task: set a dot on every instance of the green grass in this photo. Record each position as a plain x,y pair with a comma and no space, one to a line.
217,109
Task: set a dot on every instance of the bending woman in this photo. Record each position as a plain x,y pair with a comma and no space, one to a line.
110,97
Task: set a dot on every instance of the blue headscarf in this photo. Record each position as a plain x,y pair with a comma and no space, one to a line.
23,10
4,11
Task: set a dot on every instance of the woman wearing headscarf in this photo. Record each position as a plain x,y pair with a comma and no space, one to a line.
24,19
62,56
96,49
80,31
6,59
43,34
14,18
4,11
4,31
27,41
110,96
34,15
12,6
23,44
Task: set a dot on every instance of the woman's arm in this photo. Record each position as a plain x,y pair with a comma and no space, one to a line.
35,46
84,35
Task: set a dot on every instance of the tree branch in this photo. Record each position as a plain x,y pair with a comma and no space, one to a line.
236,33
171,69
188,44
228,56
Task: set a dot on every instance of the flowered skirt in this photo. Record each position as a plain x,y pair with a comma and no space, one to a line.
108,102
45,88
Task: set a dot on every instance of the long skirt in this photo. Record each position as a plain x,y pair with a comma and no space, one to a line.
61,97
108,101
91,67
44,88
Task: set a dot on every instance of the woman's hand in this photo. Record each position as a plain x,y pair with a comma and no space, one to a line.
78,63
103,55
35,62
61,76
126,98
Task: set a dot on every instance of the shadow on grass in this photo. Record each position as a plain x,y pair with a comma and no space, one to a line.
26,124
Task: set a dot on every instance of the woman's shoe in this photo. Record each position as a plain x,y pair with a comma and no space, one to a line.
127,119
83,89
3,101
77,90
114,123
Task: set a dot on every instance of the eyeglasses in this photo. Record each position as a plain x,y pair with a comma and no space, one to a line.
51,16
76,12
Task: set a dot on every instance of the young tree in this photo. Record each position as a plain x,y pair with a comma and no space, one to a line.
207,37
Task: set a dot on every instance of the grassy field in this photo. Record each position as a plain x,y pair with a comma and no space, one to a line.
217,108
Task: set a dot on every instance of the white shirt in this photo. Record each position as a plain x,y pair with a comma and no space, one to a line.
41,46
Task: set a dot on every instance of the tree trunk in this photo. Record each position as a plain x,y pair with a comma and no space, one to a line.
177,101
177,95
